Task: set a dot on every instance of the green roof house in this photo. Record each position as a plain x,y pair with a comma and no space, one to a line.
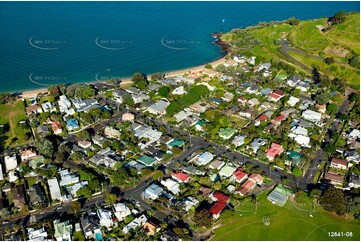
146,160
176,142
279,195
293,158
34,163
63,231
226,133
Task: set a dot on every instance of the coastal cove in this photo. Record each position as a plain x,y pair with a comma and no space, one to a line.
74,42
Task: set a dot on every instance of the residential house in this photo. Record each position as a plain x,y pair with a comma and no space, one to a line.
90,225
278,120
139,97
18,196
10,163
48,107
182,115
105,218
63,230
67,178
221,203
226,133
37,235
276,95
85,144
334,178
33,109
228,96
84,105
292,101
36,195
303,86
227,171
73,189
243,101
1,173
339,164
180,177
204,158
150,228
112,133
238,140
256,178
56,127
158,108
294,158
121,211
217,164
353,156
248,113
239,175
144,131
179,91
189,202
64,104
311,116
13,176
257,143
253,102
146,160
261,118
128,117
42,130
354,181
27,153
135,223
54,189
152,192
99,140
171,185
253,89
175,142
72,124
118,95
273,151
245,188
321,108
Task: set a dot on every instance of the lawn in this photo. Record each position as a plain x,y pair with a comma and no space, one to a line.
286,223
11,115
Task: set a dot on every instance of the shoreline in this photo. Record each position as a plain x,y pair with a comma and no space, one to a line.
127,80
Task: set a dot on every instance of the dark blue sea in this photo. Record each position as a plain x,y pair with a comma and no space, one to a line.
57,42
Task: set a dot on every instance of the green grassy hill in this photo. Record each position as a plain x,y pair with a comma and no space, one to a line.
341,42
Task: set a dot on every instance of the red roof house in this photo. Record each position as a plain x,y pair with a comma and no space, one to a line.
276,95
243,100
245,187
220,197
180,177
278,120
339,164
217,208
274,150
240,176
257,178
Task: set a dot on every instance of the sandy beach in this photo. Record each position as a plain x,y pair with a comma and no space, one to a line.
127,81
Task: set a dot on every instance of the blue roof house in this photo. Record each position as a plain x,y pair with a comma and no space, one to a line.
72,124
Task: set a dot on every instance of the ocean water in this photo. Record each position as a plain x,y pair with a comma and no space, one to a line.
44,43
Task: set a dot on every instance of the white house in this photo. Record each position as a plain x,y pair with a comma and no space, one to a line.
205,158
63,230
179,91
73,189
54,189
152,192
105,218
171,185
137,222
121,211
67,178
13,176
159,107
37,235
292,101
10,163
238,140
312,116
48,107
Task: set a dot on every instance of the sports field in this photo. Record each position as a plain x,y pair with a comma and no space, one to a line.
272,222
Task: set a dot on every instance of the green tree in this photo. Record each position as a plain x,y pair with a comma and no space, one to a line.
83,135
329,60
84,191
158,175
203,218
110,199
94,185
4,213
339,17
333,199
140,81
332,108
128,100
75,207
355,62
45,147
163,91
